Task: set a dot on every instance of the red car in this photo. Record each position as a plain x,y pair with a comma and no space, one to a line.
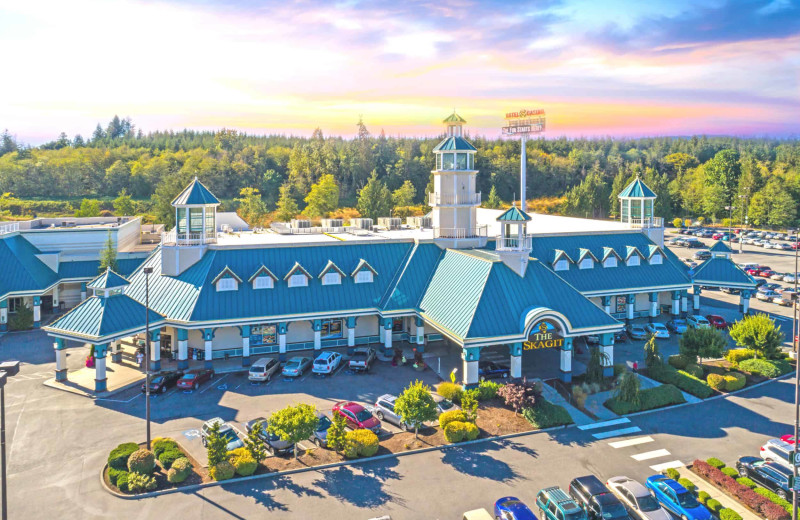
788,439
716,236
766,273
357,417
192,379
717,321
753,271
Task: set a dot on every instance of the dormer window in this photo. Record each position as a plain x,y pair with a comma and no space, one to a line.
586,263
263,282
364,273
332,278
633,260
611,261
562,265
656,259
298,280
364,276
226,280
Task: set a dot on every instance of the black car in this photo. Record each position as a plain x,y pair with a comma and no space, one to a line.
491,370
163,381
274,444
595,498
620,336
771,475
760,282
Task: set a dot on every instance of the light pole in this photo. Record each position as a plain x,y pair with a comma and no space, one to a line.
7,369
796,379
743,221
730,224
147,272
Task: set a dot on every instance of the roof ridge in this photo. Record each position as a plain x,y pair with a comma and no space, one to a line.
396,278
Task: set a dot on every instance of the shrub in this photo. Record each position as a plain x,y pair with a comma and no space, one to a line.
649,398
713,505
517,396
471,431
715,462
679,361
734,381
729,514
169,456
746,482
763,367
222,471
118,458
774,512
114,474
716,381
363,443
619,368
688,484
703,497
163,444
122,482
176,477
450,391
545,414
731,472
452,415
455,431
141,461
138,482
179,471
774,498
243,463
182,464
737,355
695,370
673,473
686,382
488,390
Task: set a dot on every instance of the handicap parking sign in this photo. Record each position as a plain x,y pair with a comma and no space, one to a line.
191,434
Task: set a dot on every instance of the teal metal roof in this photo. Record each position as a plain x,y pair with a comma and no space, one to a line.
107,280
476,296
637,189
608,251
720,247
331,266
653,249
670,272
22,271
90,268
722,272
514,214
226,273
450,144
195,194
454,118
412,277
262,271
632,250
96,318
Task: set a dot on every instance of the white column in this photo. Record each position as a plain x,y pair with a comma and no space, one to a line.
387,339
351,336
282,344
744,302
566,361
653,309
61,361
246,347
420,330
317,340
608,350
676,306
629,308
684,303
155,354
516,366
37,313
607,308
183,350
55,296
3,315
469,357
100,373
209,349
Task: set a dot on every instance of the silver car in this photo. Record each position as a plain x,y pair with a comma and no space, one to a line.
637,499
384,411
320,435
444,405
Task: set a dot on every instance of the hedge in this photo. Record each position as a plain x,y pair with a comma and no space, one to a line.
545,414
114,474
488,390
222,471
731,472
649,398
163,444
688,484
734,381
243,462
679,361
450,391
766,368
695,370
737,355
360,443
685,381
122,482
713,461
716,381
179,471
672,473
714,505
169,456
141,461
703,497
118,458
451,416
746,482
455,431
774,498
741,492
138,482
729,514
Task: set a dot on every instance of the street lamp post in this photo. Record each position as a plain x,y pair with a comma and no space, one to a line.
730,224
7,369
796,378
147,272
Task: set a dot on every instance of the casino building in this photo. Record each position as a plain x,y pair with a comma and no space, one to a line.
468,276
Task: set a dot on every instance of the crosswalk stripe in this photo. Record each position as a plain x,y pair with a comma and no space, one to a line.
650,455
667,465
612,422
616,433
630,442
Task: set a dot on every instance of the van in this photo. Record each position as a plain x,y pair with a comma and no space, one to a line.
263,369
555,504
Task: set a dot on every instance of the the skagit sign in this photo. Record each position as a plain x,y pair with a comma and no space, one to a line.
543,336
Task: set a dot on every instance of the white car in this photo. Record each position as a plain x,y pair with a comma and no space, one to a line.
767,296
775,450
698,322
658,330
326,363
637,499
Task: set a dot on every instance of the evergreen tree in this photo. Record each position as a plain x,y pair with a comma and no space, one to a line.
287,206
493,201
98,134
77,142
374,199
652,357
323,197
7,143
89,208
336,433
254,443
108,256
404,195
216,446
123,204
251,207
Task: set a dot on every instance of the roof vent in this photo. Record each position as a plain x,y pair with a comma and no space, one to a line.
390,223
419,222
361,223
332,222
300,224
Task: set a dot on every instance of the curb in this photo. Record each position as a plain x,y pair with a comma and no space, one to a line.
353,462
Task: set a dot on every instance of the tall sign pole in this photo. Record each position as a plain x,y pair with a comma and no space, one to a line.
522,124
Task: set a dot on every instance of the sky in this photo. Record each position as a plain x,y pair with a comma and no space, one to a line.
597,67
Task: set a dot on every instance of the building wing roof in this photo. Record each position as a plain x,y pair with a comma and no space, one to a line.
637,189
720,247
514,214
453,143
195,194
107,280
96,318
720,271
22,270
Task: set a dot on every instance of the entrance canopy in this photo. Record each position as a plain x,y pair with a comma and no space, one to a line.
720,271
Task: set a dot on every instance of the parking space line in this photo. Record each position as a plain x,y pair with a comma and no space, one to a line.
612,422
630,442
667,465
616,433
212,384
650,455
118,400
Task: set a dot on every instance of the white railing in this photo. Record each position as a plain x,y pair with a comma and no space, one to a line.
650,222
437,199
513,243
187,239
9,228
477,232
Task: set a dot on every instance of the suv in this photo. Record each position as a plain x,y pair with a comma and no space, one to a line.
263,369
384,411
554,504
771,475
362,359
326,363
273,442
225,430
595,498
698,322
637,499
775,450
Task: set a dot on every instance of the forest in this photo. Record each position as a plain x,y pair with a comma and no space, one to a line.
120,169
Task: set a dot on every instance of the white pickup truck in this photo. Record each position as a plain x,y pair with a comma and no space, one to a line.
361,359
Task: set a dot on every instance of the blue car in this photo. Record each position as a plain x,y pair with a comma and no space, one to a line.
676,499
677,325
511,508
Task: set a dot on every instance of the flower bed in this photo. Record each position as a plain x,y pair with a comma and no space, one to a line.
685,381
132,469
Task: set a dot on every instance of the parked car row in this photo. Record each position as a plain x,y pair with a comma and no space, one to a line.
773,469
326,363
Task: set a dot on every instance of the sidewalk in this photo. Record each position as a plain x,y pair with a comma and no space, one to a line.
716,494
646,382
552,395
594,404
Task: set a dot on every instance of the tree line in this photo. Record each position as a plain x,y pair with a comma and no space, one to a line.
376,175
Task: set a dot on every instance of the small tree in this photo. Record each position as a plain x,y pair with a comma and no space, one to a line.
336,433
628,389
493,201
294,423
287,206
323,197
251,206
758,332
652,357
677,222
469,403
404,195
701,343
89,208
108,256
514,395
22,319
216,446
416,405
594,369
123,204
254,443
